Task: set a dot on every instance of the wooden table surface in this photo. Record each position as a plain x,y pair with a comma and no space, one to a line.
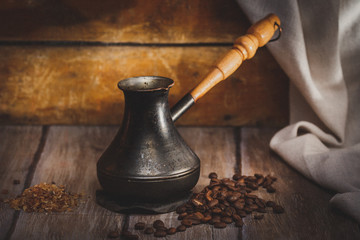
68,155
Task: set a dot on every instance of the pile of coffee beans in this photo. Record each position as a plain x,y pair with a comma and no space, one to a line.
222,202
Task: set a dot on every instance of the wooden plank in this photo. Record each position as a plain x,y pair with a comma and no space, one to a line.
216,150
69,157
307,213
77,85
155,21
18,145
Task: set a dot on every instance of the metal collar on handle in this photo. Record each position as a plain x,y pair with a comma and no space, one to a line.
279,32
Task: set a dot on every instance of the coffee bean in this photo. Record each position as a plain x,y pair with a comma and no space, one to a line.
233,188
251,196
240,185
247,210
272,178
226,220
239,204
215,219
139,226
232,198
188,205
237,176
213,175
182,216
261,210
113,234
196,202
181,228
195,217
241,179
201,208
239,223
257,175
270,189
206,219
249,201
180,209
228,182
198,215
253,206
222,207
195,221
260,181
223,194
260,203
226,203
208,196
162,229
186,223
213,203
217,210
149,230
241,213
236,217
267,182
159,234
270,204
248,190
189,211
220,225
230,211
158,223
214,182
278,209
171,231
251,179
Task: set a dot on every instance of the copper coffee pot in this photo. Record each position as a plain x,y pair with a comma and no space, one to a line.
148,161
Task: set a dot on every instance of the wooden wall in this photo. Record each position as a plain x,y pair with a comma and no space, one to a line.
60,61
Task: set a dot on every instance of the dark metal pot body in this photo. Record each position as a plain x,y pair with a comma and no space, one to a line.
148,160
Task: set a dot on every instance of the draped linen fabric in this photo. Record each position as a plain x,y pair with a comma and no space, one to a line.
319,50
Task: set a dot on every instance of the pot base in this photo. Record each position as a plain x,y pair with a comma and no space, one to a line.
148,191
119,205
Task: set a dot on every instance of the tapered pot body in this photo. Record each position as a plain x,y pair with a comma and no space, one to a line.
148,160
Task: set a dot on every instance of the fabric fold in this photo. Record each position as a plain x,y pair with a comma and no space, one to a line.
319,50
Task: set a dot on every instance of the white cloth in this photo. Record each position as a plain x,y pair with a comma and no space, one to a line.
320,52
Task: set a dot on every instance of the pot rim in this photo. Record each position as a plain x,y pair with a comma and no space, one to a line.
145,84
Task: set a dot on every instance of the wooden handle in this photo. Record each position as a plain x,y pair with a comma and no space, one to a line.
244,48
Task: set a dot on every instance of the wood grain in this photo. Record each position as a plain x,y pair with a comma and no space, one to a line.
155,21
216,150
307,215
77,85
18,145
69,158
67,155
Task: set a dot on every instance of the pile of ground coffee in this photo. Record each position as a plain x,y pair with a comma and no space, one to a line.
222,202
45,198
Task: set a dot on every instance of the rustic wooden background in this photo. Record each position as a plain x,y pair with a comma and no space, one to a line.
60,61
